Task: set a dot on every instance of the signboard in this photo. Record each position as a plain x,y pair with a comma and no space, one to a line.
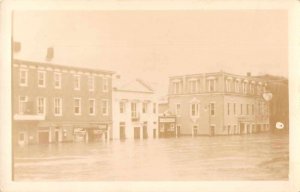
102,126
167,119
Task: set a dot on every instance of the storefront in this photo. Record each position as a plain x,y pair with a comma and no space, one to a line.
90,133
167,126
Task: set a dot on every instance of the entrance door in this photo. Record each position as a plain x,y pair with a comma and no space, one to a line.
137,133
212,130
43,137
122,132
178,130
145,132
56,136
242,128
195,128
154,133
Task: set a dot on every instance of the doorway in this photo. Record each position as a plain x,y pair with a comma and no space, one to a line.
212,130
137,133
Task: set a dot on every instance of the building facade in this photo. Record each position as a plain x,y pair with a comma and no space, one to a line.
218,104
55,103
135,111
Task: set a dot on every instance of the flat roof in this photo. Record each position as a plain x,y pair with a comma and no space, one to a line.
20,61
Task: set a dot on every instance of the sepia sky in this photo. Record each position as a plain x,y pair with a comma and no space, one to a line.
153,45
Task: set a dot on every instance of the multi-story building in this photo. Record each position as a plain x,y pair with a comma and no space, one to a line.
55,103
135,111
218,104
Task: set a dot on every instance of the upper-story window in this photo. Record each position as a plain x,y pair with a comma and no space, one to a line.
237,86
252,109
41,78
241,112
212,109
105,85
154,108
234,108
211,84
22,104
176,87
228,85
104,107
92,106
122,107
77,106
245,87
133,109
178,109
193,86
76,82
57,106
259,88
91,83
57,80
41,105
194,109
145,107
23,77
228,108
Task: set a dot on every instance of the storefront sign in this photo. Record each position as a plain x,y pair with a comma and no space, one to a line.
102,126
167,120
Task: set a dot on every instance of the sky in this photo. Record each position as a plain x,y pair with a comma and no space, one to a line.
153,45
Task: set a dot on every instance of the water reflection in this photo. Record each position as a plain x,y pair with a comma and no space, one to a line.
246,157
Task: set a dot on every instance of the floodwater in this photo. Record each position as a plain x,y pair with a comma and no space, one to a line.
242,157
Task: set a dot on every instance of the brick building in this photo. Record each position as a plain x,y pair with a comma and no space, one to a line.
55,103
218,104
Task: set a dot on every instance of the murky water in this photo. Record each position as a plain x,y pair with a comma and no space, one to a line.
247,157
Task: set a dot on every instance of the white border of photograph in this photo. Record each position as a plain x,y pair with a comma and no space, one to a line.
293,184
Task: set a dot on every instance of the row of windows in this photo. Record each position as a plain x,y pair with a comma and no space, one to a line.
244,109
194,86
24,106
134,108
57,80
195,109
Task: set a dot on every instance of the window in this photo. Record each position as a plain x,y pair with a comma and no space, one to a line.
77,106
154,108
41,105
241,109
21,137
252,88
228,108
194,110
247,109
57,106
122,107
252,109
245,87
176,87
105,85
178,107
76,82
57,80
193,86
41,78
228,87
133,110
145,106
258,89
104,107
23,77
22,104
92,107
234,110
211,85
91,83
237,86
212,109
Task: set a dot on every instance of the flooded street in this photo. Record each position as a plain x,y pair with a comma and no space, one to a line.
240,157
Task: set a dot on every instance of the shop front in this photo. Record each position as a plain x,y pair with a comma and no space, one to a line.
167,126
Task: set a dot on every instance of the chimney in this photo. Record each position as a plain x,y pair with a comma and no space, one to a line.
248,74
50,53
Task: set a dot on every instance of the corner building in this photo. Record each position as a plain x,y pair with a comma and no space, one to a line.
218,104
55,103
